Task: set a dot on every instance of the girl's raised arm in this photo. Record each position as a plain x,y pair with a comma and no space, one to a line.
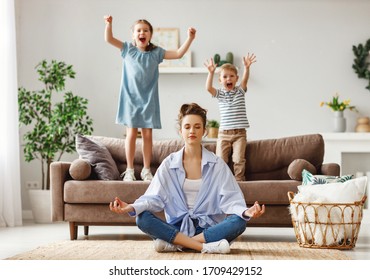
108,35
176,54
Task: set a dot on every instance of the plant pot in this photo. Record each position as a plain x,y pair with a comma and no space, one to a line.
212,132
41,205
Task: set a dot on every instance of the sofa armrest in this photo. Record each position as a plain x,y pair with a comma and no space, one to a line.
332,169
59,174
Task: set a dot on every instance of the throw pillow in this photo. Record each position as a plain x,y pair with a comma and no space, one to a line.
310,179
296,167
80,169
98,156
347,192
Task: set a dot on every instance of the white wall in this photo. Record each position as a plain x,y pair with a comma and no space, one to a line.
303,48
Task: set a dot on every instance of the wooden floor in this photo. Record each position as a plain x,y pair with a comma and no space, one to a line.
16,240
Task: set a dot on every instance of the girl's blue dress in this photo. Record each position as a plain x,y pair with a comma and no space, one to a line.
138,105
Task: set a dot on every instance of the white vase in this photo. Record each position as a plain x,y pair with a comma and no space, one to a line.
339,122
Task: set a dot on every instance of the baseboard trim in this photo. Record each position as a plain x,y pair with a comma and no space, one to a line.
27,215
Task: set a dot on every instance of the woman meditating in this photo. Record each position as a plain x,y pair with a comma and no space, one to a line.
204,207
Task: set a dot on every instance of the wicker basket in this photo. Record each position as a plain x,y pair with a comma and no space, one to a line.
327,226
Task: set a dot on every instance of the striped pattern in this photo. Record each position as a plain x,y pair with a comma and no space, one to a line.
232,109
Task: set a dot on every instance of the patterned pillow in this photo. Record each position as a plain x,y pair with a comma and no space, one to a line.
310,179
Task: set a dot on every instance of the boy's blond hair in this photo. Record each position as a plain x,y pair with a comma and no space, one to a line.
229,66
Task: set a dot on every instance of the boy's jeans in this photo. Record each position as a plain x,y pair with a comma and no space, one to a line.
234,140
230,228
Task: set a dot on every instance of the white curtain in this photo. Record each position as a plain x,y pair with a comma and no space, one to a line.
10,190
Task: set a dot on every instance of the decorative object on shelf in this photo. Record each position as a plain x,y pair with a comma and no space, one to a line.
212,128
361,63
169,39
338,108
363,124
229,59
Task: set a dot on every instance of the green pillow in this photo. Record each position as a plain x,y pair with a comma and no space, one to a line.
310,179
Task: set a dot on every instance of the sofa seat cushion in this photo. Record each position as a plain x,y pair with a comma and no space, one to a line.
99,191
268,192
275,216
98,214
95,213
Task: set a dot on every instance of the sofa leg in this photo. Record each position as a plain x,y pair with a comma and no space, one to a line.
73,230
86,230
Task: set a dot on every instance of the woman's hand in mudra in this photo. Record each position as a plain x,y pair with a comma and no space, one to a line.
255,211
120,207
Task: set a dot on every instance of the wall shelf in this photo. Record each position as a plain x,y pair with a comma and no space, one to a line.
337,145
351,151
183,70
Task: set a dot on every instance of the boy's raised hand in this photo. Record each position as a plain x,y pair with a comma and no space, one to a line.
249,59
211,66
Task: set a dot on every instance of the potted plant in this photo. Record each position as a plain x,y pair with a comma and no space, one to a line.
52,123
338,107
212,127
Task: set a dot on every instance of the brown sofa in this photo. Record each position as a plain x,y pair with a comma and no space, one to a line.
85,202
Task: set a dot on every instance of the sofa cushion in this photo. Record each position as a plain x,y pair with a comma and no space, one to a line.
310,179
80,169
99,157
161,149
268,191
297,166
102,192
269,159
